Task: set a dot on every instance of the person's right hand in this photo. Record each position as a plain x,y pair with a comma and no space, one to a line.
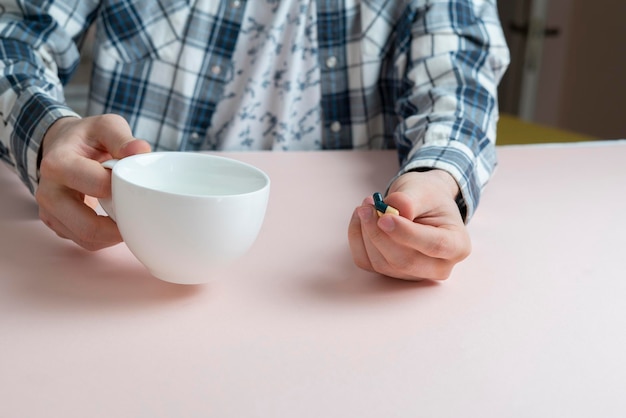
70,170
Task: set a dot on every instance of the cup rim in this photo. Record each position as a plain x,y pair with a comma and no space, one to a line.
195,155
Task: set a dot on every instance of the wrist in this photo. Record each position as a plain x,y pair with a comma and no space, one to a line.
52,132
443,178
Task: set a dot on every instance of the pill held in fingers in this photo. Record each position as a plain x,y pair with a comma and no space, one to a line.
383,208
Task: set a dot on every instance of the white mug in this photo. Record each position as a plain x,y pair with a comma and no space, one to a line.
185,215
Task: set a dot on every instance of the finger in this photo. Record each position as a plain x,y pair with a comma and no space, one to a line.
402,261
367,216
53,223
447,242
84,174
395,259
113,133
89,230
89,177
70,217
357,245
81,174
136,146
95,234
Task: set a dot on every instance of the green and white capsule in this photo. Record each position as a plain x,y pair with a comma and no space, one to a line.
383,208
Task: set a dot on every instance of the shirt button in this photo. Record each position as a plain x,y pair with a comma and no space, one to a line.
195,136
335,126
331,62
216,70
236,4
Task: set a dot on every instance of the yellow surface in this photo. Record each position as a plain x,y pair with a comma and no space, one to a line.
512,130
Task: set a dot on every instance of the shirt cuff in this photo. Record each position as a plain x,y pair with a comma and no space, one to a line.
454,158
37,114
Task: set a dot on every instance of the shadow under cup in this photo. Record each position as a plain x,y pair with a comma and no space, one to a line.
184,215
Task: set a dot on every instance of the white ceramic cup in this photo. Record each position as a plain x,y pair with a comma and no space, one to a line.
184,215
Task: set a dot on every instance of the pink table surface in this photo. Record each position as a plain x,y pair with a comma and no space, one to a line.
532,324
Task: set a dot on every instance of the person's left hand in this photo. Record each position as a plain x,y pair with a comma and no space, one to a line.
425,242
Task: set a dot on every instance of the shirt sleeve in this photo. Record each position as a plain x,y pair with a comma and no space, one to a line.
457,55
38,54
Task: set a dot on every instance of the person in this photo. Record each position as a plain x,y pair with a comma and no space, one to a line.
420,76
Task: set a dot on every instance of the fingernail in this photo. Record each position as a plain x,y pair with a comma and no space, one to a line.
387,223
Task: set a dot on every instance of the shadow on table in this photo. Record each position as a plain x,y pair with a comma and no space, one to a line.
41,269
62,276
341,281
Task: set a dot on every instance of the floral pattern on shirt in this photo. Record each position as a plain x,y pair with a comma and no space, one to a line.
273,99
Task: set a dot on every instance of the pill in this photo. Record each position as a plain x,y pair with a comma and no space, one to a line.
383,208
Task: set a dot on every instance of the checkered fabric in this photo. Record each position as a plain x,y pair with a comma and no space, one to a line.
416,75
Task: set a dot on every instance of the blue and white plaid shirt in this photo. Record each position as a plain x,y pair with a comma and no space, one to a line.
417,75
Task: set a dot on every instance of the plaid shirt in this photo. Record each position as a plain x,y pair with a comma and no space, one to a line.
417,75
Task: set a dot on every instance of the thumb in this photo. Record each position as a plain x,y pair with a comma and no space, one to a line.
132,147
405,203
113,133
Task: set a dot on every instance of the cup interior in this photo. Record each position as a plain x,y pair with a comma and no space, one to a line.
191,174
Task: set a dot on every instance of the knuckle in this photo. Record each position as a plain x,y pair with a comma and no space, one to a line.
361,260
41,198
384,269
49,167
51,223
398,266
363,265
420,268
403,265
45,200
463,253
46,219
86,236
442,274
106,120
442,247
